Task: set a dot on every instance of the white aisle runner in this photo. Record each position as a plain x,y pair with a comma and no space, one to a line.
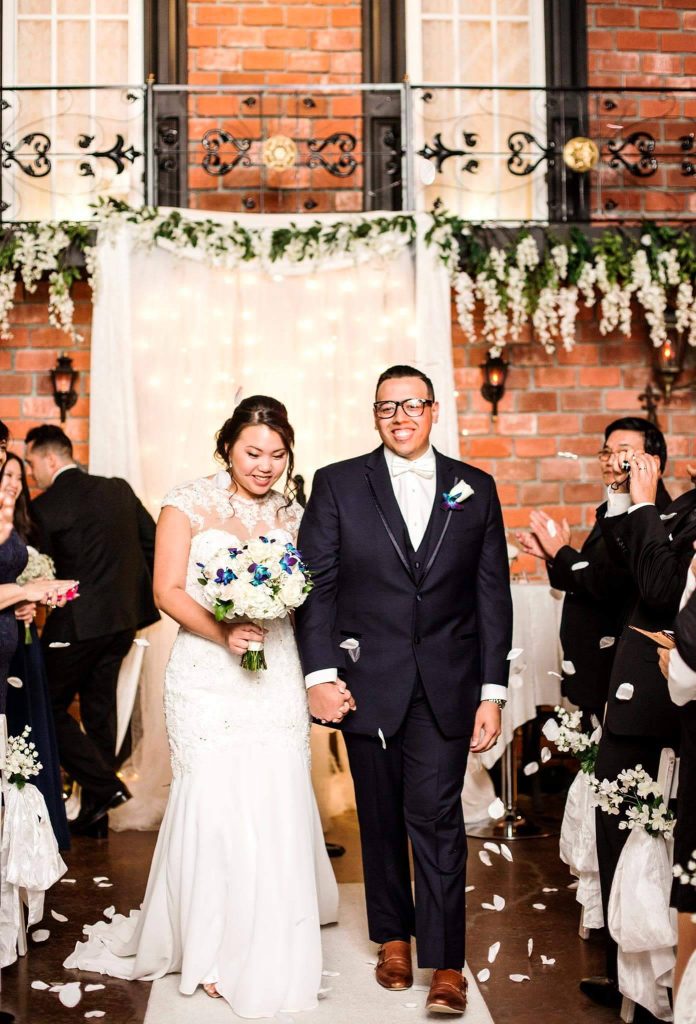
352,996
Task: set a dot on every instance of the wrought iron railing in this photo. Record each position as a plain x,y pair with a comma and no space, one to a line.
489,153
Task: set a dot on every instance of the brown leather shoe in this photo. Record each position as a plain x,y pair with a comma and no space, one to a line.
447,992
394,968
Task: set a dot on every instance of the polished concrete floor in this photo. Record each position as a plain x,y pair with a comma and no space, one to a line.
550,996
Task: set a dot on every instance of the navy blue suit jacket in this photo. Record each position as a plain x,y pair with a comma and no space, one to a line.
445,615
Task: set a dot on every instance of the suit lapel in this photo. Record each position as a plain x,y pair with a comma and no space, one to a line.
440,519
382,492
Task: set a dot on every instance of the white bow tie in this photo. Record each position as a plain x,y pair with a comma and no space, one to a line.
424,467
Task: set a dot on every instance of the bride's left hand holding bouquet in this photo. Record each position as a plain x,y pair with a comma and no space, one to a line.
264,579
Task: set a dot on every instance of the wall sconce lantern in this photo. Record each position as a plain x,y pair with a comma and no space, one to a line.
667,368
64,378
493,388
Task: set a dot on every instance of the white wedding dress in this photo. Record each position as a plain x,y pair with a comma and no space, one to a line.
240,880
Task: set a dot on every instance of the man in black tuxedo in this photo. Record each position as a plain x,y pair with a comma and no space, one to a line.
599,592
640,720
98,532
411,610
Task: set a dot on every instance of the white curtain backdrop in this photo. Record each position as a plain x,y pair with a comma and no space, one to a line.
175,342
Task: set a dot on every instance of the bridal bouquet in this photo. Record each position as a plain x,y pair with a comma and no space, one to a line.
38,567
22,759
264,579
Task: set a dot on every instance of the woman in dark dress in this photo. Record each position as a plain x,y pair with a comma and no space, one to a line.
13,597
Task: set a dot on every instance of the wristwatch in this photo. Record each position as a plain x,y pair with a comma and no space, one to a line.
496,700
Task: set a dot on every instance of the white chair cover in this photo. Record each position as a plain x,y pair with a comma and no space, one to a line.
642,923
685,1006
578,848
29,860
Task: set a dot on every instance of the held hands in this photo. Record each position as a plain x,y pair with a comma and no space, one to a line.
330,702
54,593
239,635
486,727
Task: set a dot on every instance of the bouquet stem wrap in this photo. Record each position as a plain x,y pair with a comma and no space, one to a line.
254,658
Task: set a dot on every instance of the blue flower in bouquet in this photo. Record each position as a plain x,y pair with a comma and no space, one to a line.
288,561
225,576
261,574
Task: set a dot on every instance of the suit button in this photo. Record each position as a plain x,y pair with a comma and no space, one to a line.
417,565
416,639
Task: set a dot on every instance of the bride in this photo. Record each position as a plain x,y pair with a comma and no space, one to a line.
240,881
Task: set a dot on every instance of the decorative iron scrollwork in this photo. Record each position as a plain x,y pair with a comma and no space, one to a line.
440,152
118,154
646,165
519,162
168,144
213,163
345,165
392,167
39,165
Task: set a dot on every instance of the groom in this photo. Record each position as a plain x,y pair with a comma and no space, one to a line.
410,611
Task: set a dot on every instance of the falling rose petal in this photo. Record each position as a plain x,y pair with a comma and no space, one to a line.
331,974
470,888
551,729
606,641
568,668
101,878
493,847
493,952
556,674
531,769
670,515
41,985
93,988
496,810
596,735
567,455
506,852
41,935
499,903
530,947
57,643
625,691
545,755
514,653
109,912
105,885
70,994
488,906
483,975
573,885
579,565
68,881
58,917
95,1013
551,527
547,961
140,641
381,736
557,595
519,977
15,681
595,722
548,888
539,906
485,858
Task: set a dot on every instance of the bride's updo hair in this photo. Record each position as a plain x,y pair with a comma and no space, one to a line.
254,411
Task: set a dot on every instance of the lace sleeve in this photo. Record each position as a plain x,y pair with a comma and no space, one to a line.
185,498
291,518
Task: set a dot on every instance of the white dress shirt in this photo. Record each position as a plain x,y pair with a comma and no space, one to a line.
415,483
682,678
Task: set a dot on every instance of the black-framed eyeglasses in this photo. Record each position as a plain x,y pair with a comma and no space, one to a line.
413,407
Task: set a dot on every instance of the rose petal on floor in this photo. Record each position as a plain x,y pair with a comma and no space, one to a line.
493,847
547,961
607,641
94,988
530,947
483,975
58,917
499,902
545,755
506,851
531,769
488,906
68,881
410,1006
496,810
105,885
331,974
493,952
40,985
539,906
485,858
95,1013
41,935
70,994
551,730
519,977
548,888
100,878
470,888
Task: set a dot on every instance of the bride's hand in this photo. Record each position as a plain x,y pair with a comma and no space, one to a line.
239,635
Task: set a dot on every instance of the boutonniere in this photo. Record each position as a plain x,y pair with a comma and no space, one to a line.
457,496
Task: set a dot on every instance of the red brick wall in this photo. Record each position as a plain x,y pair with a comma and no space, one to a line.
274,42
644,44
26,394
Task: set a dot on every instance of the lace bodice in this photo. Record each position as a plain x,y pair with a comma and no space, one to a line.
209,504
